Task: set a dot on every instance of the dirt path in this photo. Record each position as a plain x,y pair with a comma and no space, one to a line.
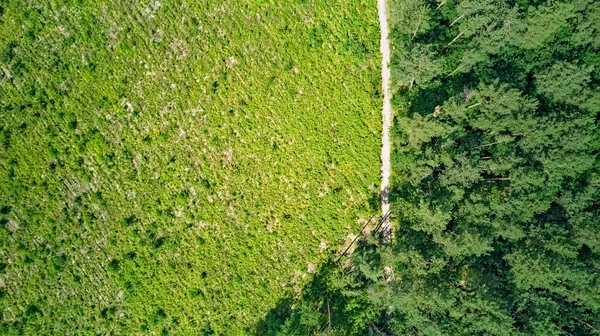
386,115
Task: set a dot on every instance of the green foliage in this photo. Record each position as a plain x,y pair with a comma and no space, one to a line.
409,17
543,24
416,65
566,83
587,31
172,166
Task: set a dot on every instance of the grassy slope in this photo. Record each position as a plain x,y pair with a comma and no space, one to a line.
173,167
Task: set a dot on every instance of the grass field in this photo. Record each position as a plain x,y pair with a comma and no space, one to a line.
173,167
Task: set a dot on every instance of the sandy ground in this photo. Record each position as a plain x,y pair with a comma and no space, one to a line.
386,115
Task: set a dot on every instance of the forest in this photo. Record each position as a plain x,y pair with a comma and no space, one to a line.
175,167
496,181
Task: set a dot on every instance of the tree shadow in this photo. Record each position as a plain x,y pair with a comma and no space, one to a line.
271,324
323,306
317,302
331,302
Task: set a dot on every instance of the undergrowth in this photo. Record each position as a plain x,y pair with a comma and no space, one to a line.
172,167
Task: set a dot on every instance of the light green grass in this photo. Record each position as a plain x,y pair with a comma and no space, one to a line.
173,167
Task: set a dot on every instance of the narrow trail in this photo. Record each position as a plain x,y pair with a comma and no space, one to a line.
386,116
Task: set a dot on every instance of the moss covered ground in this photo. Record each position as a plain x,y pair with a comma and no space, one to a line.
172,167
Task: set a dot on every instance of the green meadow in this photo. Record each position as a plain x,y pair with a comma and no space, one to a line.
178,167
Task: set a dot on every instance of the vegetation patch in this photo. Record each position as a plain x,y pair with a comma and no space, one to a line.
172,167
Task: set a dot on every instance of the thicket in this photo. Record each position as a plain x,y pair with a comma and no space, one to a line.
496,180
174,166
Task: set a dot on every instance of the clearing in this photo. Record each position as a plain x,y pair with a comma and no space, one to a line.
173,167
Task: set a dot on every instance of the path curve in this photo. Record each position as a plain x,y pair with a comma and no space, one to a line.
386,117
